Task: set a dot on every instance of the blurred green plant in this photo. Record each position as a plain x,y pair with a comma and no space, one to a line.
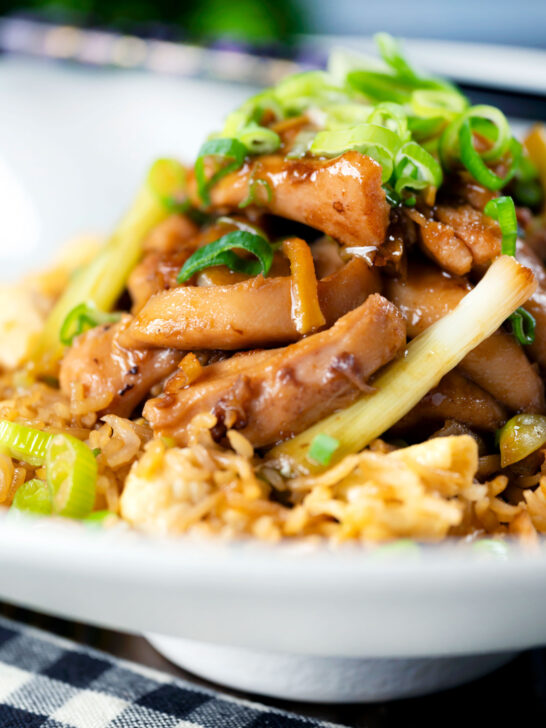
247,21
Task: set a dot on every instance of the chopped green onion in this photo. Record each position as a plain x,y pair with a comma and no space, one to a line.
430,103
488,121
322,448
391,116
425,129
71,471
228,153
521,436
379,86
253,186
390,51
24,443
377,142
341,116
258,139
474,163
252,110
83,317
416,169
302,144
99,518
34,497
220,252
491,547
523,326
167,180
103,280
503,210
299,91
403,547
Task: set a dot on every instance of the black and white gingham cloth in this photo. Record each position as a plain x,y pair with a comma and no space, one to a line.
49,682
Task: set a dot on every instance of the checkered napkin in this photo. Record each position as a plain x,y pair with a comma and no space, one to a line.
49,682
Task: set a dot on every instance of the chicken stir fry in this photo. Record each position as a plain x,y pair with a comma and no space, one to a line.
357,254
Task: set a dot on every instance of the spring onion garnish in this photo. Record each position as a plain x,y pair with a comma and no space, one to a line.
253,187
34,497
431,104
322,448
83,317
259,139
72,475
503,210
220,252
24,443
432,354
97,519
416,169
521,436
523,326
474,163
228,154
103,280
376,141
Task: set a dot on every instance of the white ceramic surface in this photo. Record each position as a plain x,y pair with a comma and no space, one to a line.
324,679
288,599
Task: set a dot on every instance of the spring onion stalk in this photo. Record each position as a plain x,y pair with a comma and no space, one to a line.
430,356
83,317
102,281
167,180
220,252
34,497
521,436
24,443
227,154
71,471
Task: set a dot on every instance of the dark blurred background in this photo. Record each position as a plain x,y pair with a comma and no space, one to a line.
278,22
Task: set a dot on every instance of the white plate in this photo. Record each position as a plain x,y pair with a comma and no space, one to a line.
74,145
310,601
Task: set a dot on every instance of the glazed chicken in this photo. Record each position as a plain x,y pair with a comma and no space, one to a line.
271,395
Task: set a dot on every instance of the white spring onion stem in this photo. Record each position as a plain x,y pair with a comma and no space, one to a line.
431,355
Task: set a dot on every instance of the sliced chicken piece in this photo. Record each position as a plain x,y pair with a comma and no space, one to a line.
536,305
480,234
440,243
101,375
455,398
498,365
342,197
171,234
272,395
255,312
156,272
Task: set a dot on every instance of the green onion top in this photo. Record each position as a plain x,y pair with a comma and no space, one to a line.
220,252
414,125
